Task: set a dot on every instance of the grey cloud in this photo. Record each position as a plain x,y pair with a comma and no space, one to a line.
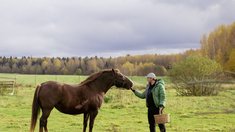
200,4
89,27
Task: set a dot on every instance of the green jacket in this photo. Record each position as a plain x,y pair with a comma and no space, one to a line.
158,91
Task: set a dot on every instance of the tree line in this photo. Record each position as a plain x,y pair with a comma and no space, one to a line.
219,45
129,65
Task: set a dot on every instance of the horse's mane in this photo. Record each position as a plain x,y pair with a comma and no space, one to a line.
94,76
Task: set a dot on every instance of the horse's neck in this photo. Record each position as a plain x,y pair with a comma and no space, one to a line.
102,84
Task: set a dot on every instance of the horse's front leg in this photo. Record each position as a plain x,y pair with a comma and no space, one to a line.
85,119
93,115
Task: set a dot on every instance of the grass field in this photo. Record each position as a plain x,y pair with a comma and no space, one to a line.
121,111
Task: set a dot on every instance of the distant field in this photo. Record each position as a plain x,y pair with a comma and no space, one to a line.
121,111
33,80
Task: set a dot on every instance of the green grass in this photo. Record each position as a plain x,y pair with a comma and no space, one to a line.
121,111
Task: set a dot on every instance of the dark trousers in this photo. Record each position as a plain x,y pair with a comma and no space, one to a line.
151,120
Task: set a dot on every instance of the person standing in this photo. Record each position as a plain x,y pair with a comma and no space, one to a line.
155,100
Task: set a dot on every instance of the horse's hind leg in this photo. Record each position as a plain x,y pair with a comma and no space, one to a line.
43,120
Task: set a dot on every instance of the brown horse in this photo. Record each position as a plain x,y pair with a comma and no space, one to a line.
85,97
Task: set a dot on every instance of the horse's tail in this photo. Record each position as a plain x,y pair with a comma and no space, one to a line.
35,109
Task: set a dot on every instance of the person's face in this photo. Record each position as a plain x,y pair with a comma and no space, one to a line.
149,79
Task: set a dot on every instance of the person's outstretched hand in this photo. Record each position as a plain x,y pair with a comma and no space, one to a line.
133,90
161,110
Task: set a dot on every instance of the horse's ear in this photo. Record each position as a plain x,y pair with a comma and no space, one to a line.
113,71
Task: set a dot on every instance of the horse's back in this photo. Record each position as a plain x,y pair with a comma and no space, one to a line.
50,93
51,83
59,95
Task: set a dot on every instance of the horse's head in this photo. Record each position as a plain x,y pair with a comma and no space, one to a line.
120,80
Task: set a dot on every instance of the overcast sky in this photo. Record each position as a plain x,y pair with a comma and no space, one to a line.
107,27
